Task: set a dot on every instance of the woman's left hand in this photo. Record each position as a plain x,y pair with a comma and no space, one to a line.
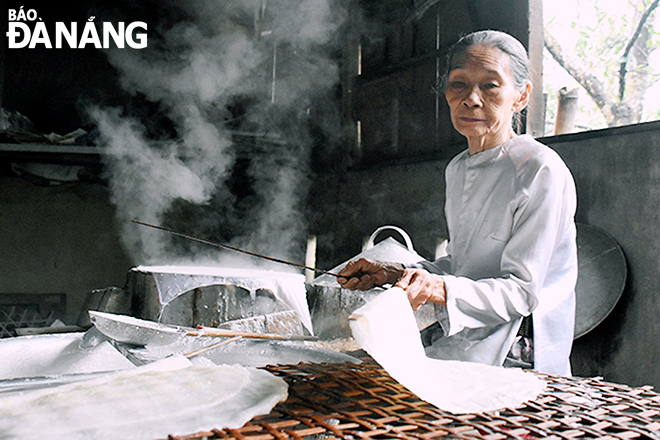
422,287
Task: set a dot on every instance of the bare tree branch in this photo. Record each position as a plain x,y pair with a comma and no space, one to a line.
631,43
589,82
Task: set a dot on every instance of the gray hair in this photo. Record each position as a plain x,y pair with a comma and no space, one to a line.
520,65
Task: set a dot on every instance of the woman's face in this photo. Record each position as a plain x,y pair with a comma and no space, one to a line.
482,97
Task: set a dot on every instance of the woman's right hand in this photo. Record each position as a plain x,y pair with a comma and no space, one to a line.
363,274
423,287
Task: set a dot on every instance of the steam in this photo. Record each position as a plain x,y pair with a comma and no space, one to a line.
238,84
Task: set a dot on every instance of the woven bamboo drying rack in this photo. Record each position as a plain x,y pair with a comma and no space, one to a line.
351,401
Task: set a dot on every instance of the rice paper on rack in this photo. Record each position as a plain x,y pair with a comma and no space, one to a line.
386,328
167,397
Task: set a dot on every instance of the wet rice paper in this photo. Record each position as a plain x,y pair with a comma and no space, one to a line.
386,328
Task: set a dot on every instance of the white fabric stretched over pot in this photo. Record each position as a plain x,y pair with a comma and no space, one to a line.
173,281
387,330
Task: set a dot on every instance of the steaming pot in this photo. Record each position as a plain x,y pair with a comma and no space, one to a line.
331,305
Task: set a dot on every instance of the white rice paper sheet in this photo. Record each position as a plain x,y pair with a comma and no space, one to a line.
171,396
57,354
387,330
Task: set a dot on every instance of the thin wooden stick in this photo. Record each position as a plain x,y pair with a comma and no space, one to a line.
225,246
218,332
212,346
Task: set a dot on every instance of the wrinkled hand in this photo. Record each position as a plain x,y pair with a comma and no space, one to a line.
364,274
422,287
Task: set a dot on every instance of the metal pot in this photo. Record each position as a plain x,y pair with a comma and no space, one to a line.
331,305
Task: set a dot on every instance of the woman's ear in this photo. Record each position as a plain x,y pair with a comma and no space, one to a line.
523,98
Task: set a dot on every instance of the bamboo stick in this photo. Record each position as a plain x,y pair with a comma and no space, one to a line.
217,332
211,347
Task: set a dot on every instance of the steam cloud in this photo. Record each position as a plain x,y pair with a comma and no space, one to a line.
240,82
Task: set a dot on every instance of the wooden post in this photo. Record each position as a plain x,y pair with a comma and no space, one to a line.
566,109
536,108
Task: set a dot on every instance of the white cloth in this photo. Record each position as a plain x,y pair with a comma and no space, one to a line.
385,327
512,251
173,281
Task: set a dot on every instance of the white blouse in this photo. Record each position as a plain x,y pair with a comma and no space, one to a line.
512,251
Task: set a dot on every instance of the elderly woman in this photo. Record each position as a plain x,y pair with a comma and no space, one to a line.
510,207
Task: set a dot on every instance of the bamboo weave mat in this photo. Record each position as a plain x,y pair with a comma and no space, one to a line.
351,401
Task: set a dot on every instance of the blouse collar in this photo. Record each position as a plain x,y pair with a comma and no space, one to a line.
491,153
